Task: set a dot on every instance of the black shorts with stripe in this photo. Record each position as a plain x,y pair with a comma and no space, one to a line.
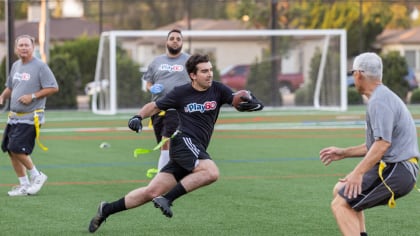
374,191
185,154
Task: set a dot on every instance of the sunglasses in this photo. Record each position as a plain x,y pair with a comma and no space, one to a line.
353,71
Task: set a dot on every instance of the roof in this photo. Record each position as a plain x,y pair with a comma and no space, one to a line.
399,36
207,24
61,29
200,24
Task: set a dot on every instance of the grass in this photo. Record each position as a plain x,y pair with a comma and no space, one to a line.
272,182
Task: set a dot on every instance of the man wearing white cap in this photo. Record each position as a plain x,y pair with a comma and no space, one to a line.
390,152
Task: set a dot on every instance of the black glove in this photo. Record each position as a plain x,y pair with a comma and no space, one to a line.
134,123
250,104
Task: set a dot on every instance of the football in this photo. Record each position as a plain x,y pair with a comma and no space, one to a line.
237,97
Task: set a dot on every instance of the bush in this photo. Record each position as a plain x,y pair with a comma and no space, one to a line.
259,82
415,97
354,97
66,71
395,68
304,96
330,88
130,94
84,50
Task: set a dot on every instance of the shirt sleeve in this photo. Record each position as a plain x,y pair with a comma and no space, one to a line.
170,100
382,125
148,75
48,79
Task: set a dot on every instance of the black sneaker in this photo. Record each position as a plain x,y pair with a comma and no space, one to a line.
98,219
164,205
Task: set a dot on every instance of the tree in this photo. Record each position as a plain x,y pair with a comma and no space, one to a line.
84,50
21,9
338,15
254,13
363,22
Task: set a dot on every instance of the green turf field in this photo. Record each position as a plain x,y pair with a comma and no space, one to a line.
271,183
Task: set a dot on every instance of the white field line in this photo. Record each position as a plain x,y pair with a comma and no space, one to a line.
241,126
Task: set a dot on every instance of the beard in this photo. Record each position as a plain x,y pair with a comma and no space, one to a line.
173,51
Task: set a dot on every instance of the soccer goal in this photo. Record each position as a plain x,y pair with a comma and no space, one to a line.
304,68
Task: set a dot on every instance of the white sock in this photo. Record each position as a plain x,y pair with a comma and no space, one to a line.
24,180
34,172
163,159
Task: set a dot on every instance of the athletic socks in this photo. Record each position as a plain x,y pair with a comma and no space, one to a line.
114,207
363,234
24,180
175,193
34,172
163,159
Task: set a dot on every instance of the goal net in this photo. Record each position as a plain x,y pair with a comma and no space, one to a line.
283,68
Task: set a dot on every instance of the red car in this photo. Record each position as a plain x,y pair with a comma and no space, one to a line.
236,78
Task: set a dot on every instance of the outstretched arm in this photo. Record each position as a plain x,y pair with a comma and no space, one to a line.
134,123
330,154
148,110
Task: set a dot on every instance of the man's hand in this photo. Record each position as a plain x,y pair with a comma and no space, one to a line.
353,186
134,123
250,104
330,154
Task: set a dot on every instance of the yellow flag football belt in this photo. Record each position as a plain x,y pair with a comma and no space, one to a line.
161,113
382,165
36,124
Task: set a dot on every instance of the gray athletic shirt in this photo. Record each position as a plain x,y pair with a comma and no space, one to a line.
388,118
29,78
170,72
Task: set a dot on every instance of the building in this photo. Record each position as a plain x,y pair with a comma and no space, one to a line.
405,41
227,51
61,30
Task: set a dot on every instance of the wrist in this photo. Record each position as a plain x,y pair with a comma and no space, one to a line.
33,97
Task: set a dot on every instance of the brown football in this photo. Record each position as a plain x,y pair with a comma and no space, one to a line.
237,97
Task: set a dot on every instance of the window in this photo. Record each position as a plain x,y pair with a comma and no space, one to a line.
410,57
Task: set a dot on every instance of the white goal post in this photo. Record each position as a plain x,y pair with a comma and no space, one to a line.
231,47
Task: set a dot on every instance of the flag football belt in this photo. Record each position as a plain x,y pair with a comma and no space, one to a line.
36,124
161,113
382,165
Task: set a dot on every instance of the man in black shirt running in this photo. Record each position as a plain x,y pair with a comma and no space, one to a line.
190,166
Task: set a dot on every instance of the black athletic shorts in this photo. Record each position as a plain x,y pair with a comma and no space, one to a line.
165,125
375,193
184,156
19,138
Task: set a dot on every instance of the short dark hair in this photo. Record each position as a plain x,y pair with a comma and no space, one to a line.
195,59
176,31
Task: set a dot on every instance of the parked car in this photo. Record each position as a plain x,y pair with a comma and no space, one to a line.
410,78
235,76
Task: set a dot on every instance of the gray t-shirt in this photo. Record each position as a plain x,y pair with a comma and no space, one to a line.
29,78
388,118
170,72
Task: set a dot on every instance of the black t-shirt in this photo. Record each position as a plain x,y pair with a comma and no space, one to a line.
197,110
